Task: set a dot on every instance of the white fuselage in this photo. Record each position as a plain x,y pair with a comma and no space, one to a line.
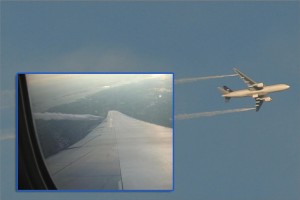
262,92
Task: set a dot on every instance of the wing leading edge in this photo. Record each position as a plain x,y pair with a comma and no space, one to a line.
249,82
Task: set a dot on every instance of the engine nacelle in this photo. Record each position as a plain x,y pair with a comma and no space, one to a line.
267,99
258,85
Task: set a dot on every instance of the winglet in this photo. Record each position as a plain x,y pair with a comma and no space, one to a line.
235,69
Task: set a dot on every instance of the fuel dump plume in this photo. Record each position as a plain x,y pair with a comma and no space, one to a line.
194,79
7,137
210,114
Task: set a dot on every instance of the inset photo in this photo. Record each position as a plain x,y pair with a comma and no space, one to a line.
98,131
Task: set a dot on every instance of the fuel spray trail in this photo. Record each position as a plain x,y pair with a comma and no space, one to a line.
210,114
194,79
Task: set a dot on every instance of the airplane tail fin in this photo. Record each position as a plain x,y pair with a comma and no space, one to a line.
225,90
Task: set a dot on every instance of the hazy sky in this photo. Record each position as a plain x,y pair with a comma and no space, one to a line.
233,156
49,90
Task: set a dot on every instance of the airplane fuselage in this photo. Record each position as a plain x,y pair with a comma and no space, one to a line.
264,91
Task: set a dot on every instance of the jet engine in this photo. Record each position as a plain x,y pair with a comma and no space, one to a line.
267,99
258,85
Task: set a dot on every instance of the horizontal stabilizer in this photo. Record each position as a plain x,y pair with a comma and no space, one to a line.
227,99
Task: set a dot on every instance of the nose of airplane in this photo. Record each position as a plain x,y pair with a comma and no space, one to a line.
287,86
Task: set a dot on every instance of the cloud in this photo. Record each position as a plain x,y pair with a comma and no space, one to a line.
7,99
163,90
62,116
201,78
210,114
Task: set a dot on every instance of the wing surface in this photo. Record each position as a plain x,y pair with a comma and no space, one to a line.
122,153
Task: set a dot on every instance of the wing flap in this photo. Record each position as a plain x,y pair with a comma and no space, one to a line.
258,103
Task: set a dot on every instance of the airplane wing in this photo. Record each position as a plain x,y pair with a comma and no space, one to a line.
258,103
249,82
122,153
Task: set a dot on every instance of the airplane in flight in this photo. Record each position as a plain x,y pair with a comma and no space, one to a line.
258,91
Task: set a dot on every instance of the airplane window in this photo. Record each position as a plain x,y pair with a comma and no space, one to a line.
105,131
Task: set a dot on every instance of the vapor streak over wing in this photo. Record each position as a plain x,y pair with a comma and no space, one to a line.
63,116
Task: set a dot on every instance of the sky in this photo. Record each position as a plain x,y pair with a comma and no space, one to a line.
50,90
246,155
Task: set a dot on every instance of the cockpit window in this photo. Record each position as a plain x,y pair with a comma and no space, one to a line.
105,131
